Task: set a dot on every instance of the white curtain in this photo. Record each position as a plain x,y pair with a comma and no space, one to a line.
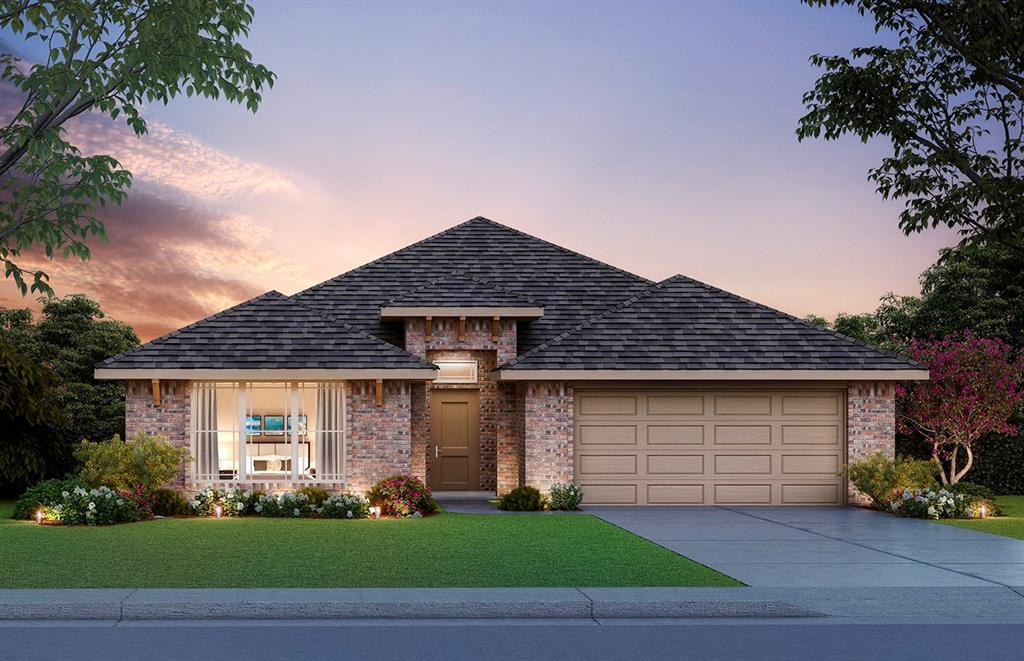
330,411
207,459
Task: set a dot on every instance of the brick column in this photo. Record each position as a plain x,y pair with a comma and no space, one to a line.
548,434
870,424
379,437
171,419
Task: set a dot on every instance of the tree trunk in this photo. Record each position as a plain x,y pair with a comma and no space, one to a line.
938,462
955,477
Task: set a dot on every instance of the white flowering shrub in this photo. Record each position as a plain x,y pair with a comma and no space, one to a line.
566,496
81,506
233,502
289,503
931,504
345,506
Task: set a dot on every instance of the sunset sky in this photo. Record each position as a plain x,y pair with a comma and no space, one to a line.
656,137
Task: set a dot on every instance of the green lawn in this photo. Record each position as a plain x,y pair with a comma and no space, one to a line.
448,550
1011,525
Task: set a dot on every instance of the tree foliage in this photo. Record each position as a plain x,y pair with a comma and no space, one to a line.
110,57
948,96
973,390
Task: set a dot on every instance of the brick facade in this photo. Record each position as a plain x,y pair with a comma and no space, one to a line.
379,437
172,419
870,423
477,344
548,434
511,459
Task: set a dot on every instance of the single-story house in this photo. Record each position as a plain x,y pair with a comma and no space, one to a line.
483,358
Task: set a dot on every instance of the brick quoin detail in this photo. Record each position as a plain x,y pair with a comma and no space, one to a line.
379,437
548,441
172,419
870,424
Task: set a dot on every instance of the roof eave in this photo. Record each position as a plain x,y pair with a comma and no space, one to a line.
713,375
279,374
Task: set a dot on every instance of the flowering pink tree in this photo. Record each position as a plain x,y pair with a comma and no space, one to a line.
973,390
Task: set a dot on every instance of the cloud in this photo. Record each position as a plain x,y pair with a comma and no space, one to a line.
166,265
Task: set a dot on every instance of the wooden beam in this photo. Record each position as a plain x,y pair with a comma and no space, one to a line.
495,328
428,326
156,392
379,394
462,329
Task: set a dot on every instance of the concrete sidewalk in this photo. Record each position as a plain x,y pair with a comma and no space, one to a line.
991,603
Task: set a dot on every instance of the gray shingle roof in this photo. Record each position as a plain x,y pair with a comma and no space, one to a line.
461,290
683,324
570,286
270,331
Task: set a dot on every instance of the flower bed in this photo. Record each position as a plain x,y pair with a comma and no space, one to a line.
941,504
294,504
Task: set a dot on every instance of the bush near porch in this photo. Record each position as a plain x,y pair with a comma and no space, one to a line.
447,550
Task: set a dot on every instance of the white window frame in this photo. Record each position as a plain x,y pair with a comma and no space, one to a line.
474,378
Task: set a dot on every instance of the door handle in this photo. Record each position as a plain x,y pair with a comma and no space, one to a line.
436,452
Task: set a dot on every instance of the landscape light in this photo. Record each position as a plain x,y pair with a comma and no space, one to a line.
981,511
218,511
39,517
375,512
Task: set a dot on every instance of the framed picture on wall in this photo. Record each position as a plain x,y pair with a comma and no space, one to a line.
301,427
273,425
253,424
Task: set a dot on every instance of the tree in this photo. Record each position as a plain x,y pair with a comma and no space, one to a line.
111,57
28,414
71,336
949,97
890,326
973,390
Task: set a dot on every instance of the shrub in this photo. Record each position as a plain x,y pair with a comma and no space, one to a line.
92,507
522,499
402,495
234,502
978,495
566,496
143,500
44,495
880,478
146,461
345,506
289,503
315,495
168,502
931,504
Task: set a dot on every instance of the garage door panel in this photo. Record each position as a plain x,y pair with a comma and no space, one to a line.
724,447
607,434
608,464
675,434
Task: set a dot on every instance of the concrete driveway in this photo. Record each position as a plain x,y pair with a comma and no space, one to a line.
827,547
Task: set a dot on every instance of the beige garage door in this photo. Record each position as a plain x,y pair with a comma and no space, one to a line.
710,448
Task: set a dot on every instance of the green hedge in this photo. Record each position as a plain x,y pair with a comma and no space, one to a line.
998,461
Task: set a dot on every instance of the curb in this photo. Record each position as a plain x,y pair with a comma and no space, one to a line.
399,603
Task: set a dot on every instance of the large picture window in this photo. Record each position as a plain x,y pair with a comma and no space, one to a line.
279,433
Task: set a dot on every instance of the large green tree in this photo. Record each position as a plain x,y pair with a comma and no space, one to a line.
948,96
70,337
110,57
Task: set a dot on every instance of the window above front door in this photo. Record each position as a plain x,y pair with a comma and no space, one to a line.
456,371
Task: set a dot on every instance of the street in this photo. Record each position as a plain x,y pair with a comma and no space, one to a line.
578,639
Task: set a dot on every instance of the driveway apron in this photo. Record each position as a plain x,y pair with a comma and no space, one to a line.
827,546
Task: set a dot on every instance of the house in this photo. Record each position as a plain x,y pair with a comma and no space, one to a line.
483,358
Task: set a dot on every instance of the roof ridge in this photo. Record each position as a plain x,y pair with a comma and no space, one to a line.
826,331
273,293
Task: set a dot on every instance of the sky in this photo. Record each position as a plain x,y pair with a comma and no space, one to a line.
657,137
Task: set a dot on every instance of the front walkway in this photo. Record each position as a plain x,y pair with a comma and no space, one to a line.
827,547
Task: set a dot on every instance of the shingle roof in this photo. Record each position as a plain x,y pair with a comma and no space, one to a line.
683,324
270,331
570,286
461,290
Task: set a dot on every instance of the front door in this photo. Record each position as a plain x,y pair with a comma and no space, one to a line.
454,452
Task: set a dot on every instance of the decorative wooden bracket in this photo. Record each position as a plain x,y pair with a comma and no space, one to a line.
462,329
379,392
428,328
156,392
495,328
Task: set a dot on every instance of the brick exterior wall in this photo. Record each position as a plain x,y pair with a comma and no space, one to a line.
477,344
870,424
511,430
173,418
548,435
379,437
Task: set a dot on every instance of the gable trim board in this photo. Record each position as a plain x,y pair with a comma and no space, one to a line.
403,311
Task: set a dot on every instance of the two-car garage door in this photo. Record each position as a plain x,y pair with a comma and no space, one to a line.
724,447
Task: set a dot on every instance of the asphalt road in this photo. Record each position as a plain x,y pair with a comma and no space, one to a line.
747,639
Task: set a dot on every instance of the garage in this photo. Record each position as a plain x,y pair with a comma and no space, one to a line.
710,447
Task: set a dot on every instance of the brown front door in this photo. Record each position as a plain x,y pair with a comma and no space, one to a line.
454,452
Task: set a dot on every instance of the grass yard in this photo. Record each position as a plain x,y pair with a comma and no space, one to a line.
448,550
1011,525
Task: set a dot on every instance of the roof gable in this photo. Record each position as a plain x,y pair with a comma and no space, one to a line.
684,324
270,331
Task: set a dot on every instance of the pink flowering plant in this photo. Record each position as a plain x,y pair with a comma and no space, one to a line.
973,390
402,495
